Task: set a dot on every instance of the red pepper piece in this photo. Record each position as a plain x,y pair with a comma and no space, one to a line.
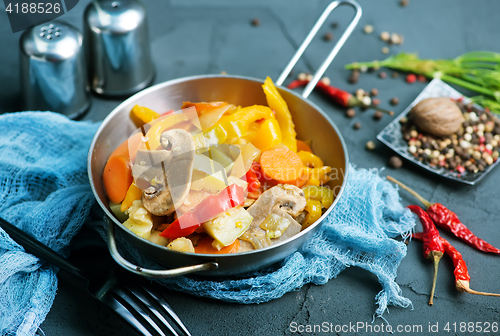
252,178
448,220
341,97
433,247
253,181
208,209
462,277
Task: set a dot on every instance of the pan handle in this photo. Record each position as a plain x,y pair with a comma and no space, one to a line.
150,273
308,89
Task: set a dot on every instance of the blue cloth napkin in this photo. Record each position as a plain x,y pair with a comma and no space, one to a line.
44,190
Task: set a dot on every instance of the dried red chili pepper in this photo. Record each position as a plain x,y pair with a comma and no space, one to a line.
433,248
448,220
462,277
343,98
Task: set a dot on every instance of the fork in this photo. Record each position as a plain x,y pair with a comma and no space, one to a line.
143,308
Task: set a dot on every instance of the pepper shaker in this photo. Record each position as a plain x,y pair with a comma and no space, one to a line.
117,46
53,72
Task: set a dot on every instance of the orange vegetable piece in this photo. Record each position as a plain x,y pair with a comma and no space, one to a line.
129,147
117,178
283,165
303,146
204,246
204,106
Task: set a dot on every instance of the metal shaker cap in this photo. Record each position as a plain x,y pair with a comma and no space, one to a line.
53,71
117,46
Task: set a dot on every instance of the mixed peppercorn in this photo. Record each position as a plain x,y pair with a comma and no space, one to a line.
472,149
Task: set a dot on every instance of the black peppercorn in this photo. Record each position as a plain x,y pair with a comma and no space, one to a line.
394,101
354,77
377,115
395,162
255,22
472,168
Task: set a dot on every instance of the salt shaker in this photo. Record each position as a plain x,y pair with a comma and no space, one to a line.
117,46
53,71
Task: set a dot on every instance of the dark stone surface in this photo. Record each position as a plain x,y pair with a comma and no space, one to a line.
199,37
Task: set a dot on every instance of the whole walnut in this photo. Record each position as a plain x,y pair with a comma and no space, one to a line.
437,116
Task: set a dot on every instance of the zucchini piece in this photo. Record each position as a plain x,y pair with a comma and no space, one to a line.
116,210
274,225
227,227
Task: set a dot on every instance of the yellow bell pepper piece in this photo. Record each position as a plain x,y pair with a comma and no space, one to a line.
313,181
314,212
134,193
239,123
142,115
248,115
213,136
310,160
234,128
278,104
154,133
318,193
319,174
252,132
269,135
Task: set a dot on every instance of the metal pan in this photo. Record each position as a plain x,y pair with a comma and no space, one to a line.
310,121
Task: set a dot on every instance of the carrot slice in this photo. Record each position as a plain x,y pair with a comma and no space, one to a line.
129,147
204,106
117,178
204,246
283,165
303,146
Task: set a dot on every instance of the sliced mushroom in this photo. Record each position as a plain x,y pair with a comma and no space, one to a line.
158,201
287,197
167,170
284,200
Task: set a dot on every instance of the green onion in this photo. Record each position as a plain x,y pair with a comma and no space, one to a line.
477,71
